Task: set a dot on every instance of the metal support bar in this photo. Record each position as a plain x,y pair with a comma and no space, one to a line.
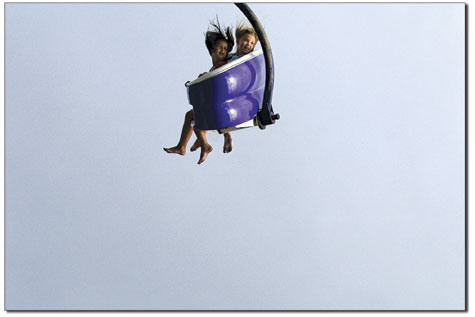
266,114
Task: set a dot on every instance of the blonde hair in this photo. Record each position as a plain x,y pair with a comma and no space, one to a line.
242,28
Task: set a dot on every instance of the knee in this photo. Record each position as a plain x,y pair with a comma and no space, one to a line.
189,115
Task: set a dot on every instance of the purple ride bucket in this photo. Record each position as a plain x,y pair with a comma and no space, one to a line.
229,95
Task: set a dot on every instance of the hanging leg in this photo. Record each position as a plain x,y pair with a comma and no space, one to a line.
205,147
195,145
186,132
228,143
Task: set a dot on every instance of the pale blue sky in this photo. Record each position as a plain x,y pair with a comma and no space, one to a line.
353,200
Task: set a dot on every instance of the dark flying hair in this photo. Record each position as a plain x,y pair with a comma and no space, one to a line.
218,33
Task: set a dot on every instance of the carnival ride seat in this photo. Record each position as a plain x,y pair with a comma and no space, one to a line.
238,94
229,97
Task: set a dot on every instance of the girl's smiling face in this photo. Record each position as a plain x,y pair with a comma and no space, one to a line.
220,51
246,44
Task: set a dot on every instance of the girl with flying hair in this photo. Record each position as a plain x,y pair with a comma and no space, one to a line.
219,42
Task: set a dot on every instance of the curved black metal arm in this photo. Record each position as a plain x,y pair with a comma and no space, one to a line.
266,114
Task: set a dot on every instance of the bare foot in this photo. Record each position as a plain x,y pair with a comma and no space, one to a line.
228,143
175,149
195,146
204,153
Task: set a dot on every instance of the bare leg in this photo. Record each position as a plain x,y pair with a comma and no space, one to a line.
205,147
195,145
186,132
228,143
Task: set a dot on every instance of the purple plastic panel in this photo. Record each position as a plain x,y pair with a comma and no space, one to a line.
229,98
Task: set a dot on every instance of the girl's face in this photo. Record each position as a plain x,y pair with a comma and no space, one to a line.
246,44
220,51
